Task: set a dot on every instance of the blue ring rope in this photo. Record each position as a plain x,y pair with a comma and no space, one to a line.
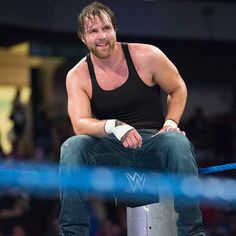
219,168
42,180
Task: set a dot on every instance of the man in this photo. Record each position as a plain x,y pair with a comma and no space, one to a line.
115,107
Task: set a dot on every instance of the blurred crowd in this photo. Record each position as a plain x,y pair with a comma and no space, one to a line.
22,214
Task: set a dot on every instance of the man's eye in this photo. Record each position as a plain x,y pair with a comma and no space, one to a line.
92,31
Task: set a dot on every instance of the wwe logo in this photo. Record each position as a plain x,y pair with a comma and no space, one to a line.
136,181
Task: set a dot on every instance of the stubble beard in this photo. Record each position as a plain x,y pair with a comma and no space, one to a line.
104,54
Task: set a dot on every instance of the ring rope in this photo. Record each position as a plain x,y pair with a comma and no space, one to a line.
43,180
219,168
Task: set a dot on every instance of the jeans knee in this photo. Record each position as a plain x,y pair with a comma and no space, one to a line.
178,144
180,152
177,141
74,150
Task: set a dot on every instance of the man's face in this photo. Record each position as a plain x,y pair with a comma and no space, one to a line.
99,35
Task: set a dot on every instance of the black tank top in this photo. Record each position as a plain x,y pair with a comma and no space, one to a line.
134,102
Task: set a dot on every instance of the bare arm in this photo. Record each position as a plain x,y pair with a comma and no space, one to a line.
79,107
169,79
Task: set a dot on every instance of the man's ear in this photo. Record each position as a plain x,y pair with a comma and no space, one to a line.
82,39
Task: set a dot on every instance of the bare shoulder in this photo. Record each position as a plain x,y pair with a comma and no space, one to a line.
78,75
78,71
144,50
147,58
152,64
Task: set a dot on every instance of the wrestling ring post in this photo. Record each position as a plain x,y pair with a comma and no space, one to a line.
159,219
155,219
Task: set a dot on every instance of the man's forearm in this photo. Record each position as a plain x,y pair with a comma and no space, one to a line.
176,104
100,128
90,126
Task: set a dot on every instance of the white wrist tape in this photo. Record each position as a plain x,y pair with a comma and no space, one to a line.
109,126
170,123
119,131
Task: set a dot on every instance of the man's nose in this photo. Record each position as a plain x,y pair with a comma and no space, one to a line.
102,34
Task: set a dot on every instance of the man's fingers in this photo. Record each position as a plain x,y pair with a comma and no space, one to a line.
173,129
132,140
125,144
138,138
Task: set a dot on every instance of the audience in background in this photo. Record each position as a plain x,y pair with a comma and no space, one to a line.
17,135
14,212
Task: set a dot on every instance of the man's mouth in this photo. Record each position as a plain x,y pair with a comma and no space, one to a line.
102,45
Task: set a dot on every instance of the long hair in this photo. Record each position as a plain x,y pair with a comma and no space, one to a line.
91,10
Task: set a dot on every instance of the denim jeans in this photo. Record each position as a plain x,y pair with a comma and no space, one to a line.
169,152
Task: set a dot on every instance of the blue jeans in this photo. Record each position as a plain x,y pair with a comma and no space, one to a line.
166,152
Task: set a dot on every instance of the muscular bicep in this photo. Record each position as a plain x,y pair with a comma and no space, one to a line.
78,100
165,74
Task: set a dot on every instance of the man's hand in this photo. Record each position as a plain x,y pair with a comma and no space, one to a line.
169,128
132,139
170,125
125,133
